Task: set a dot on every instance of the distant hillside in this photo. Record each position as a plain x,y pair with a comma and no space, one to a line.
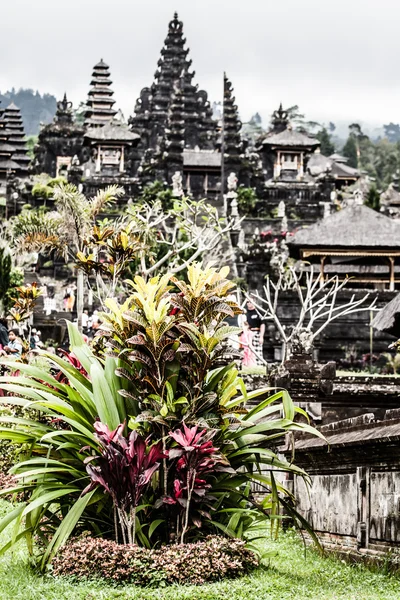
35,108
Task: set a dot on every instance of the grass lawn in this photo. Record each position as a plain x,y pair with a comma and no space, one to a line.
341,373
290,576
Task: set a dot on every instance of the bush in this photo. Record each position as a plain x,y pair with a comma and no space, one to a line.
152,442
210,560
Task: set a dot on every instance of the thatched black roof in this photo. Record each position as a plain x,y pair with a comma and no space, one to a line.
355,226
112,132
199,158
388,319
290,138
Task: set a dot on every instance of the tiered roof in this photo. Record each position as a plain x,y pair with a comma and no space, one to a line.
334,166
100,102
282,134
153,106
13,149
353,227
175,132
233,145
113,131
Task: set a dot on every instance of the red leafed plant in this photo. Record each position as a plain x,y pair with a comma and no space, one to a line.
197,460
124,469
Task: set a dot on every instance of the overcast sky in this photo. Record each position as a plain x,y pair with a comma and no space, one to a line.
338,60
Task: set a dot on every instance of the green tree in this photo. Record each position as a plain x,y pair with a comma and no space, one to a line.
392,132
31,142
157,191
350,150
327,146
373,199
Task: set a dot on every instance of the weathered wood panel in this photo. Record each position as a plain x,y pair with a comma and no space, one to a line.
385,506
330,503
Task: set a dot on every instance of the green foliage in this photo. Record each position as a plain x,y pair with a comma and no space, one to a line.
31,142
16,280
164,377
373,198
44,185
247,199
35,108
327,146
289,573
211,560
350,150
157,192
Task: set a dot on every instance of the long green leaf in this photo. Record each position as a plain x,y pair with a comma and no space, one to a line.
103,398
113,381
67,526
11,516
49,497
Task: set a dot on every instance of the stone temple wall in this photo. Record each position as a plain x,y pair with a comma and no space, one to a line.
353,500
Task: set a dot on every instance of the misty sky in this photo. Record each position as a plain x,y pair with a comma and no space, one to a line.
338,60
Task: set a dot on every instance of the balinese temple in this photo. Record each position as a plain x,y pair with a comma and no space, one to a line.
59,142
107,143
356,242
95,154
300,183
335,168
233,144
157,114
109,162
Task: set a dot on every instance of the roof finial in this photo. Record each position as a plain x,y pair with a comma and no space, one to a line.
175,16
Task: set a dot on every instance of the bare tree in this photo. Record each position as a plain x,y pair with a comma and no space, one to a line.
318,302
192,230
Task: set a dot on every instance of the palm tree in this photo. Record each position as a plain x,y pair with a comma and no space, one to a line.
64,230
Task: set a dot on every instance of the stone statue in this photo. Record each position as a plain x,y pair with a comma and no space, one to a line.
234,208
232,182
281,209
358,197
177,187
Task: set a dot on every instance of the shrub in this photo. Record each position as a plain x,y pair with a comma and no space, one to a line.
176,452
210,560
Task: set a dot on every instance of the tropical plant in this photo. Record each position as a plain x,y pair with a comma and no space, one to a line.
66,229
124,470
247,199
153,437
24,302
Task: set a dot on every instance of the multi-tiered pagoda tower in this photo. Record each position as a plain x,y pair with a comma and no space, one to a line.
233,145
15,133
156,116
14,160
100,102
